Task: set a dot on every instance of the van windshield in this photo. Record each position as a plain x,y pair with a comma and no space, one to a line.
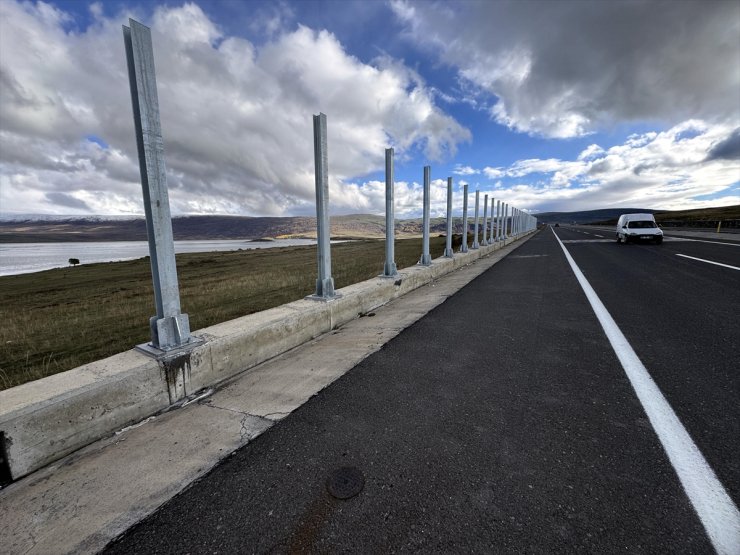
641,224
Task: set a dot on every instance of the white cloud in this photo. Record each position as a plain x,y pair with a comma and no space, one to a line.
236,119
464,170
592,151
568,68
665,170
187,24
237,122
493,173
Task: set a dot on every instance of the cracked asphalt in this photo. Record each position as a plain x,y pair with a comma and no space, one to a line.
500,422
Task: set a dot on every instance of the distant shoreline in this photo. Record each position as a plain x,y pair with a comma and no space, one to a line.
30,258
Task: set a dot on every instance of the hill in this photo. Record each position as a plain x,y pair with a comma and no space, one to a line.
709,216
32,229
40,229
587,216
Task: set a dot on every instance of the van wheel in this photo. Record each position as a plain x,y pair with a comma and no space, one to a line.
619,239
659,240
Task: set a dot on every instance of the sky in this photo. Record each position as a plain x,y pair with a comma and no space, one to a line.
554,105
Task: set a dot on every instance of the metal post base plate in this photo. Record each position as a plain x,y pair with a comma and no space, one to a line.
155,352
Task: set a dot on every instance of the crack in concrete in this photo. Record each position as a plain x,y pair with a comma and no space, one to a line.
245,415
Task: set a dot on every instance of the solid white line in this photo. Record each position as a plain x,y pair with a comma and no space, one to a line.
716,510
708,261
588,240
675,238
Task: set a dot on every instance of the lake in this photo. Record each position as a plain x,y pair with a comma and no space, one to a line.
24,258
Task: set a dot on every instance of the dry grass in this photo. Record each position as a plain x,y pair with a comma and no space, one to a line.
717,213
59,319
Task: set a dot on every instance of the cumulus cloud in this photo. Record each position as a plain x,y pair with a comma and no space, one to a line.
464,170
236,117
567,68
667,170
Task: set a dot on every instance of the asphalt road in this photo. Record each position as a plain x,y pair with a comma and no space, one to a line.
502,422
682,317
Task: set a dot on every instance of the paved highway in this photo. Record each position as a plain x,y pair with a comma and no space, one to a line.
678,304
505,421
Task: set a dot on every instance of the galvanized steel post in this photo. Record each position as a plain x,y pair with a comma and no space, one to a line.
475,237
464,245
448,241
518,221
497,230
426,258
389,270
170,328
324,283
493,222
506,215
521,222
485,220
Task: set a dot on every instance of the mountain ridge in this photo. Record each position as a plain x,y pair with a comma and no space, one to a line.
611,215
29,228
74,228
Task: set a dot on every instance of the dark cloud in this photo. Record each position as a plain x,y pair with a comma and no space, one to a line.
728,149
67,201
564,68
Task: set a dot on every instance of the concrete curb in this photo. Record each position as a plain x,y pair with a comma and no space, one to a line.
45,420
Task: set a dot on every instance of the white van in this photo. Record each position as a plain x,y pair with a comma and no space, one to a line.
638,227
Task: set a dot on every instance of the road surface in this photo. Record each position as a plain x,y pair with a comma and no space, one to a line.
504,422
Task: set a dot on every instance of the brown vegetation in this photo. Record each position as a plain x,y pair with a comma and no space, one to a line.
63,318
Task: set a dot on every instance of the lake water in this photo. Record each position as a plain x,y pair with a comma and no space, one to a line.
24,258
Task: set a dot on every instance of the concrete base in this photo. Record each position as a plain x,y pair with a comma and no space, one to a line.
45,420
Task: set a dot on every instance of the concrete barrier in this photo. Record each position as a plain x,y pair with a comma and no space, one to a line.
44,420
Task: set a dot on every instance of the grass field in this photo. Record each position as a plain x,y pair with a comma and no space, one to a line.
59,319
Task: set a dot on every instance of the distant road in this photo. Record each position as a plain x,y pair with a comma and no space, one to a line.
505,421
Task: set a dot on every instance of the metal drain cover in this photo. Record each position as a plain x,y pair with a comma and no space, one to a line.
345,482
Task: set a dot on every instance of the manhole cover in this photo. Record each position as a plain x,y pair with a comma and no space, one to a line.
345,482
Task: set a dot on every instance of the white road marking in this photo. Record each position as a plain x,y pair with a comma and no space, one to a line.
708,261
705,241
716,510
588,240
665,239
597,235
